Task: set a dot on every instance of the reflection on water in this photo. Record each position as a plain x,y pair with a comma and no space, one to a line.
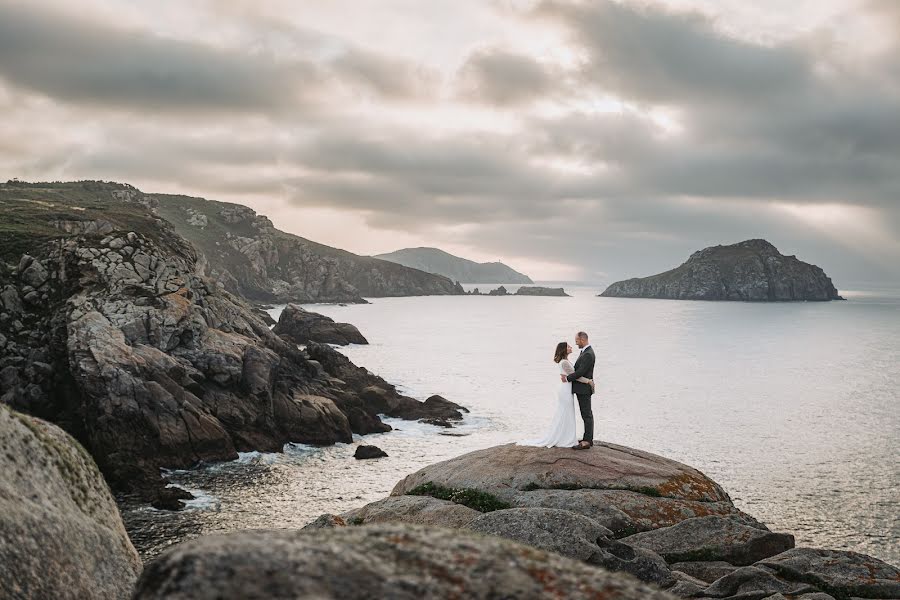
793,408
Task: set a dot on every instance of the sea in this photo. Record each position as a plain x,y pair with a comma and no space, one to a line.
794,408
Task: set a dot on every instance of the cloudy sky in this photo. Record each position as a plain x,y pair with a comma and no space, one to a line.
573,140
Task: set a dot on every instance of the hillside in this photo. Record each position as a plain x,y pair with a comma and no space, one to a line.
434,260
753,270
250,257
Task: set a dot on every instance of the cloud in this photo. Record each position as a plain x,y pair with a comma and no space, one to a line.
615,137
498,76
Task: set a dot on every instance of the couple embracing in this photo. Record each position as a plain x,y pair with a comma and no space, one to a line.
577,379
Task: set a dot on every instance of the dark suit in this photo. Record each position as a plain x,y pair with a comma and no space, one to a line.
584,367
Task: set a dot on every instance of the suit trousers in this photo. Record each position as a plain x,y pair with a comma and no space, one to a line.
587,415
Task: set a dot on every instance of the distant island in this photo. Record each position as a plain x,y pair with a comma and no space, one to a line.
438,262
535,290
752,270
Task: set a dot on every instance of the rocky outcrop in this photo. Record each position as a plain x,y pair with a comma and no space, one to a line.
365,452
380,396
123,341
713,538
536,290
753,270
840,573
302,327
433,260
379,561
626,510
60,531
417,510
511,469
249,257
574,536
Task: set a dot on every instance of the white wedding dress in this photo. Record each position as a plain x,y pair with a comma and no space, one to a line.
562,428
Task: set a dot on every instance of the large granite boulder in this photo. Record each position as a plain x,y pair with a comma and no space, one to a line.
753,270
61,535
419,510
626,512
302,326
713,538
838,572
574,536
506,471
378,561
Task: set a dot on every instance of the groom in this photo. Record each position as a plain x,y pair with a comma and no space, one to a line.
584,367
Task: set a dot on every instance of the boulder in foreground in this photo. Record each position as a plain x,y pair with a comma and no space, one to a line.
753,270
508,470
61,535
378,561
302,327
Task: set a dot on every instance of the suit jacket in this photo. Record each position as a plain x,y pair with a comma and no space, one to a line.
584,367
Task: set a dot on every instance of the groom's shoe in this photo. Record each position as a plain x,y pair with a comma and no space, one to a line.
582,445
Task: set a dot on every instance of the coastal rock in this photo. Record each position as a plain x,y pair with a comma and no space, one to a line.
753,270
540,291
364,452
706,571
419,510
574,536
302,327
326,521
61,535
561,531
145,359
754,583
378,561
712,538
838,572
377,394
626,512
508,470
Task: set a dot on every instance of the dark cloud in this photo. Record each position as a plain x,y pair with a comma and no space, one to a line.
84,62
650,54
497,76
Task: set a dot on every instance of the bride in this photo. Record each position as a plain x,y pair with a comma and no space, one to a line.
562,428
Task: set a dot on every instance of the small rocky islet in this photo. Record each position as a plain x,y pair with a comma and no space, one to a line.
751,271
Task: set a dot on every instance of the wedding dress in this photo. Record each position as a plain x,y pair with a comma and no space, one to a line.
562,427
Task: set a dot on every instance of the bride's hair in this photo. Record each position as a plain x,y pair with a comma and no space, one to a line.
561,351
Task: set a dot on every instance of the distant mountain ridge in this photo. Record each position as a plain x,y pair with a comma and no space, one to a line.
435,260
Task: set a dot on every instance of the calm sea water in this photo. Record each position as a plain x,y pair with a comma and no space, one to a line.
793,408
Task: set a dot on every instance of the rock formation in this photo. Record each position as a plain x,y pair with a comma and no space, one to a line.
302,326
625,510
377,561
61,535
365,452
252,258
433,260
121,339
536,290
753,270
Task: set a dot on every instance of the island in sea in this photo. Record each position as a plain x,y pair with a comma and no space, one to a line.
752,270
525,290
434,260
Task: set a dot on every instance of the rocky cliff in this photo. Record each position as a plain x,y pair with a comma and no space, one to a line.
753,270
252,258
434,260
110,327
